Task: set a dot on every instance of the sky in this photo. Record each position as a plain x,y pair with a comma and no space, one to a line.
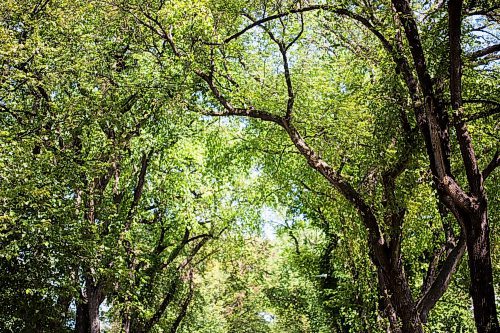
272,219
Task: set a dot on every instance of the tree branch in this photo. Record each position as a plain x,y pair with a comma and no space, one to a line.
313,159
185,240
229,109
286,68
484,52
367,215
329,8
463,136
184,306
194,251
495,162
481,115
389,310
139,186
442,281
169,297
405,15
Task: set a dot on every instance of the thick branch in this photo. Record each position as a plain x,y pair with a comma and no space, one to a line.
317,163
177,250
463,136
484,52
185,240
444,182
314,160
194,251
442,281
184,307
229,109
430,276
388,309
405,15
368,217
169,297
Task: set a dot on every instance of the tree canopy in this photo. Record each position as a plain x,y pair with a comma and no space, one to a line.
249,166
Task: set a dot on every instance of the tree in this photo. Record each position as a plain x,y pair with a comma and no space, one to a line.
407,54
99,204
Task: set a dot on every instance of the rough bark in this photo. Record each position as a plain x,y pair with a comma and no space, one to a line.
481,274
402,299
388,308
476,222
470,208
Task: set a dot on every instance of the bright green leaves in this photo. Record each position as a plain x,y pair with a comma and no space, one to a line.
108,177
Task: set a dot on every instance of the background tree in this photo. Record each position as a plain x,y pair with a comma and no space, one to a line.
103,201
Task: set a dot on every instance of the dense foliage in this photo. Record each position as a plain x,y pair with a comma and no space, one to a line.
249,166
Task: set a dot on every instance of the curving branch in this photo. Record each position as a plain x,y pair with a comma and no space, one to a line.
185,240
184,306
160,310
396,53
229,109
329,8
313,159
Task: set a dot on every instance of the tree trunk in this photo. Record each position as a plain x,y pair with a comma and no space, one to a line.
126,324
82,318
386,306
93,307
402,300
87,310
481,273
